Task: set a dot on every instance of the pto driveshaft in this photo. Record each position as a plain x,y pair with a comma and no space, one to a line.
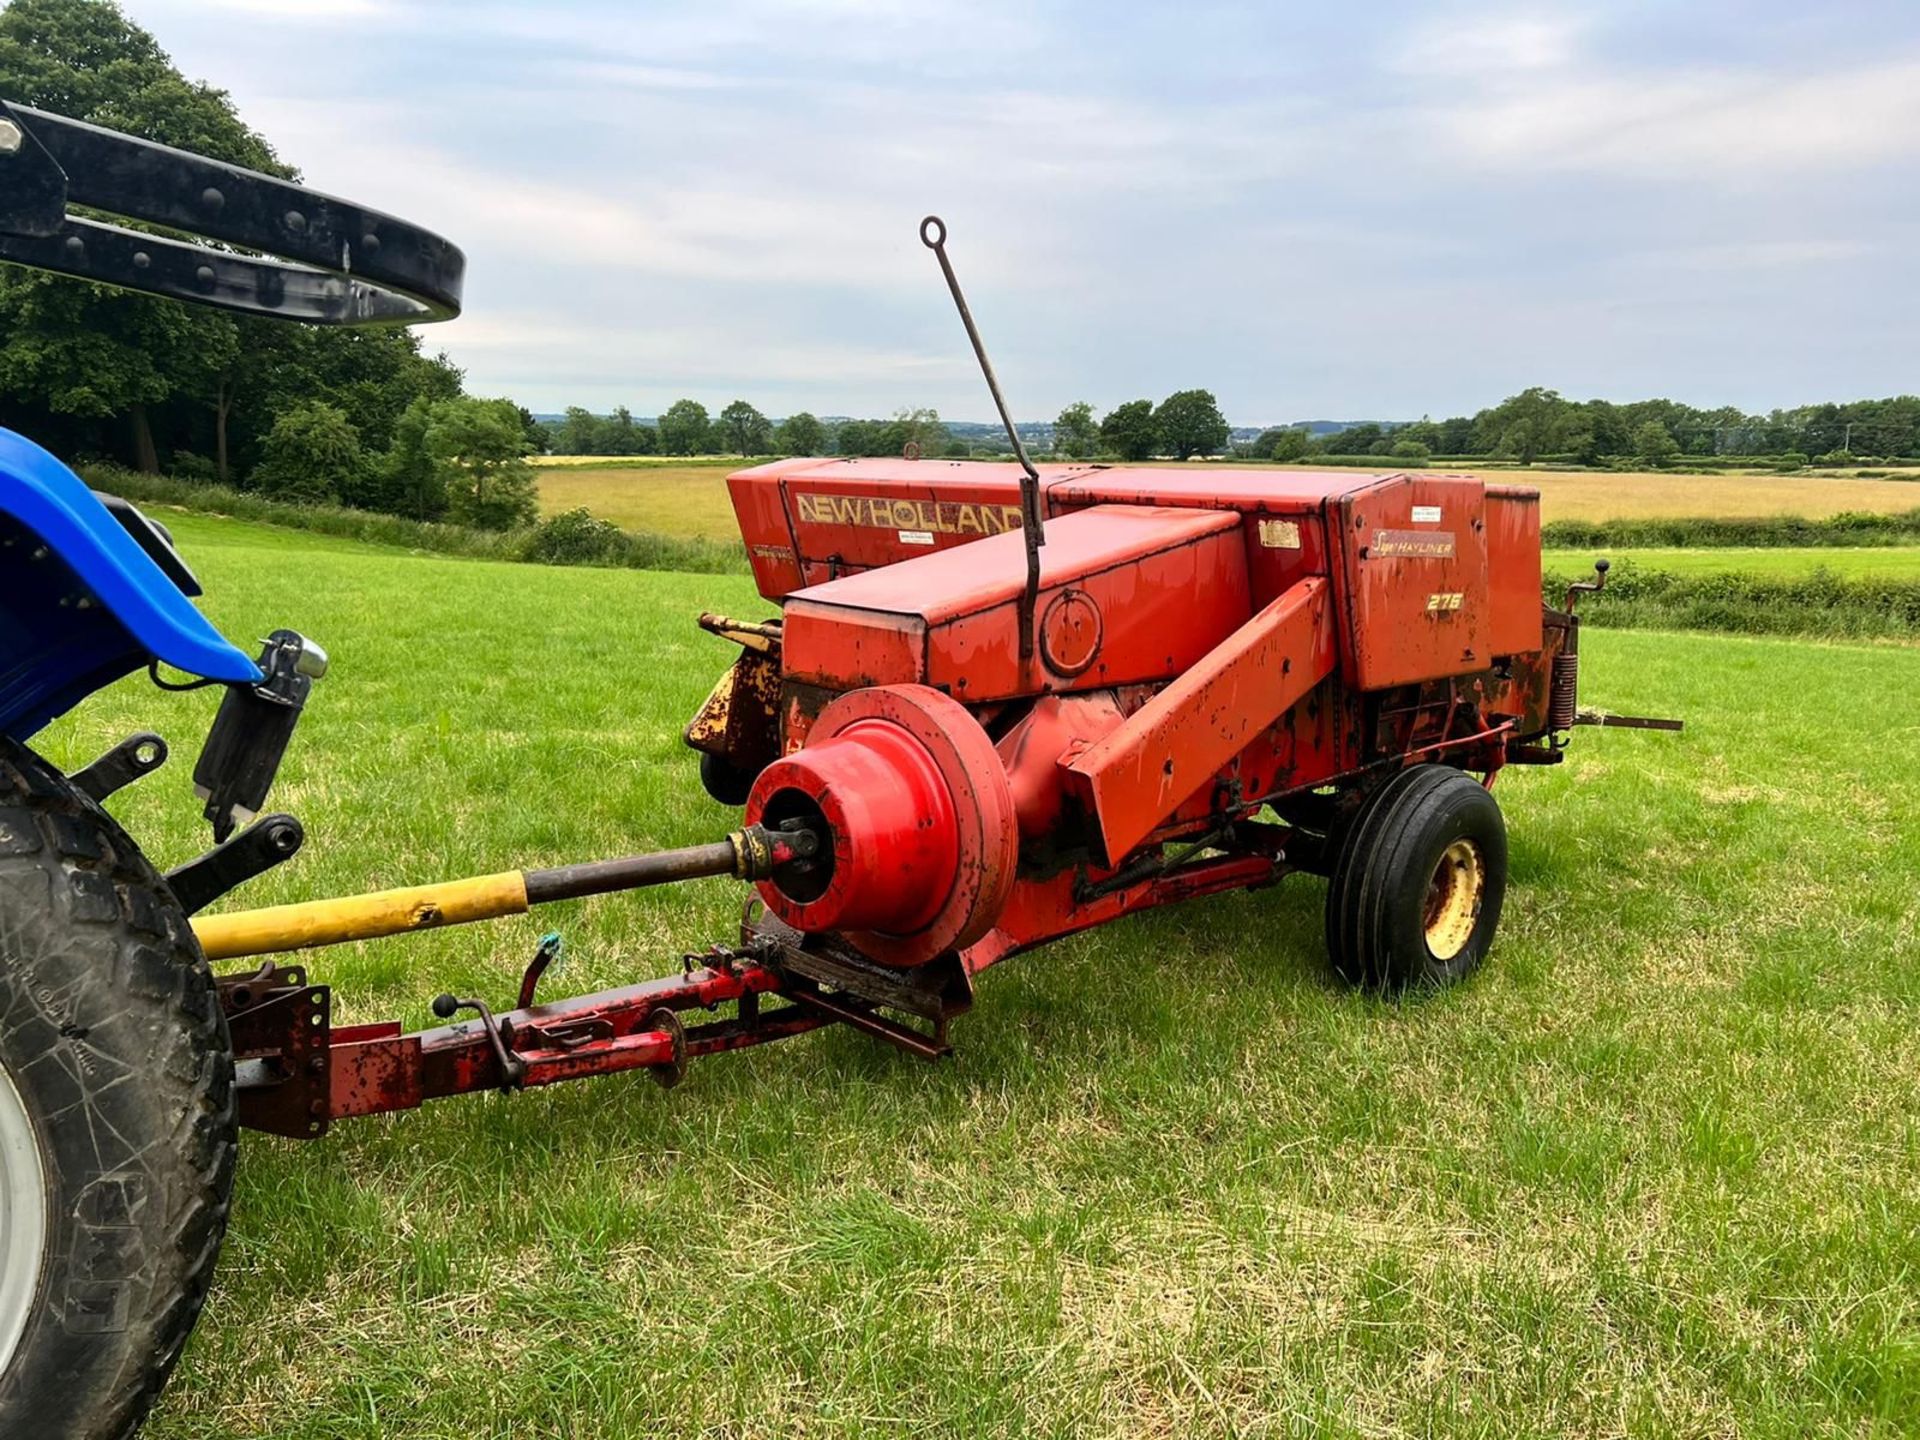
750,854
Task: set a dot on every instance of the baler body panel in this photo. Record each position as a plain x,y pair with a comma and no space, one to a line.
1128,595
838,517
808,521
1170,749
1412,580
759,505
1513,569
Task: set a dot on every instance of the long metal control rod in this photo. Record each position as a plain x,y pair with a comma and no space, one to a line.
750,854
933,234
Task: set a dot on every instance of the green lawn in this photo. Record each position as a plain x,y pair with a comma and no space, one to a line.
1864,561
1654,1171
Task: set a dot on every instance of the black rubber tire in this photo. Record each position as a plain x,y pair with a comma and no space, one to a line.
724,780
1376,927
112,1034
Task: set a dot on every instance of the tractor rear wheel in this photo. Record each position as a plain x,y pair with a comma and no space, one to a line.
1418,882
117,1125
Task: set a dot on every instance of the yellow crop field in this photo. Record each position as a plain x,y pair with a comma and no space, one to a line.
1584,495
669,498
681,497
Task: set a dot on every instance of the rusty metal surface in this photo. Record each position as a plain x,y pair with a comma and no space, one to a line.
1564,702
280,1029
935,991
1043,910
1627,722
1513,570
740,719
375,1070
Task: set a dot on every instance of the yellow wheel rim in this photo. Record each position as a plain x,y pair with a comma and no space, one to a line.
1453,899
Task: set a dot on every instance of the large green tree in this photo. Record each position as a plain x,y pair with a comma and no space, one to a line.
1190,423
480,449
1129,431
800,434
1075,433
1653,444
748,432
683,428
313,454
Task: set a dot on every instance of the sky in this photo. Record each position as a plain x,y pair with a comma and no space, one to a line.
1373,210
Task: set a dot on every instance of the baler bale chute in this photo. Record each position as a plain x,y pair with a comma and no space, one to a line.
998,704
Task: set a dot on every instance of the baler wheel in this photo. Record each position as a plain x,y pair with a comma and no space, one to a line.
725,781
1419,882
117,1116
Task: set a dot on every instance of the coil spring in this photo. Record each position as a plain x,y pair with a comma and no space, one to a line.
1564,698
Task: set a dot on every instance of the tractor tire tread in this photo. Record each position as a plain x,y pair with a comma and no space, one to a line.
93,934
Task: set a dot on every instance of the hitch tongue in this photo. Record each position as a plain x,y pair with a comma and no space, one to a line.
754,853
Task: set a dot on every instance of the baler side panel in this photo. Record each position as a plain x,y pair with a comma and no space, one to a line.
846,520
1175,744
760,510
1513,569
843,649
1412,580
1159,614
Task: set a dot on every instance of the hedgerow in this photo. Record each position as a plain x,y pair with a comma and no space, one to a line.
1819,603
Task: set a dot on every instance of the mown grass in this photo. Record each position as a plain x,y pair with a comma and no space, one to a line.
1893,561
1654,1171
690,499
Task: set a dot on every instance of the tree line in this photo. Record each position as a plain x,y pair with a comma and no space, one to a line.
685,428
1539,423
1186,423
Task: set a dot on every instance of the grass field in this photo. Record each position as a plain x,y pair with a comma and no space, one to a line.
681,498
1655,1171
1898,561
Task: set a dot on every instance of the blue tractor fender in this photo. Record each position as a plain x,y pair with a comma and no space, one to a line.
81,602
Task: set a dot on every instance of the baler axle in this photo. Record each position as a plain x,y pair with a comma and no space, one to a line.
753,853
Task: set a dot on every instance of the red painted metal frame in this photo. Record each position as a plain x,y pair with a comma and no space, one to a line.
376,1069
1131,779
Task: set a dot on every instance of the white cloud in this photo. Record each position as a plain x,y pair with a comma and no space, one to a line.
1750,255
327,12
1744,129
645,366
1493,45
